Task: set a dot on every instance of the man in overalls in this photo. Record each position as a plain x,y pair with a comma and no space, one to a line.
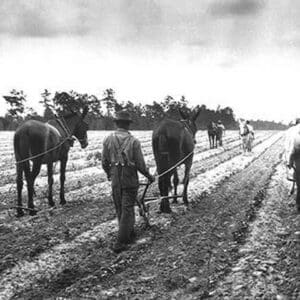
122,159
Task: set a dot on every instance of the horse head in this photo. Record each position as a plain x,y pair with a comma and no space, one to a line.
212,125
80,131
190,120
242,127
77,126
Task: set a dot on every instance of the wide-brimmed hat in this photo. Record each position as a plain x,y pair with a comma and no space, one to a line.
123,115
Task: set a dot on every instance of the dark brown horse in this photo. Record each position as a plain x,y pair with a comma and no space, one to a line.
174,142
212,132
46,143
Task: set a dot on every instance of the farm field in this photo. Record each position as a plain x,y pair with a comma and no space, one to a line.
237,239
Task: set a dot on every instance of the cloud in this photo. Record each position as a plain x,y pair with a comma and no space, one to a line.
236,8
42,18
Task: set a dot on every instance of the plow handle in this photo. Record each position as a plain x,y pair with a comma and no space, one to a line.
141,204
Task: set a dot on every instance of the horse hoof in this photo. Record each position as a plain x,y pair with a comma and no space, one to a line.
20,214
165,210
32,212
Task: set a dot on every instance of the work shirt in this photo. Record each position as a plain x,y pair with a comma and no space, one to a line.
220,129
122,157
292,141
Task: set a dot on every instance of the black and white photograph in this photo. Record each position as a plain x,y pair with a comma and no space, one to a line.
149,149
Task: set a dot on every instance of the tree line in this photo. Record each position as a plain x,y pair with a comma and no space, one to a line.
102,110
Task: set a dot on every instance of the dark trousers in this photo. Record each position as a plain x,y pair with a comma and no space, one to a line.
124,200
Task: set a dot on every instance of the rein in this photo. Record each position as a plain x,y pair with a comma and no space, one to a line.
43,153
184,122
176,165
62,122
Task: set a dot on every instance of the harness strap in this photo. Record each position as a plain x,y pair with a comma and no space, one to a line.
186,126
176,165
120,149
65,128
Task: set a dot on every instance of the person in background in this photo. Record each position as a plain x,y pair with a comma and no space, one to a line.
220,132
292,138
122,159
250,128
292,148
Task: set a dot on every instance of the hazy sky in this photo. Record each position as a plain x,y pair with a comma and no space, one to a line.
239,53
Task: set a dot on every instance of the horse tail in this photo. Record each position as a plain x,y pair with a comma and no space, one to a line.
22,152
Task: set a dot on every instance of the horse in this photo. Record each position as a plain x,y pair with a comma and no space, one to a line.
212,135
46,143
297,175
173,144
246,136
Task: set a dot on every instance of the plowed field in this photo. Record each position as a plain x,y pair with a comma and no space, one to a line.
225,245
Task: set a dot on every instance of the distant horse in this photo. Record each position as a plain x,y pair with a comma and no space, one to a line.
246,136
212,134
45,143
173,142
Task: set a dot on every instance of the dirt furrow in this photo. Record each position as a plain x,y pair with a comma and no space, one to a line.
269,264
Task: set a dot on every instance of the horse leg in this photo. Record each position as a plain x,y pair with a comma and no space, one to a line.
297,171
36,167
163,185
221,141
63,164
20,212
298,197
250,144
186,179
50,184
175,182
29,181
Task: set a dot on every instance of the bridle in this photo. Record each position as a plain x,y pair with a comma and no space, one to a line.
63,124
186,125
